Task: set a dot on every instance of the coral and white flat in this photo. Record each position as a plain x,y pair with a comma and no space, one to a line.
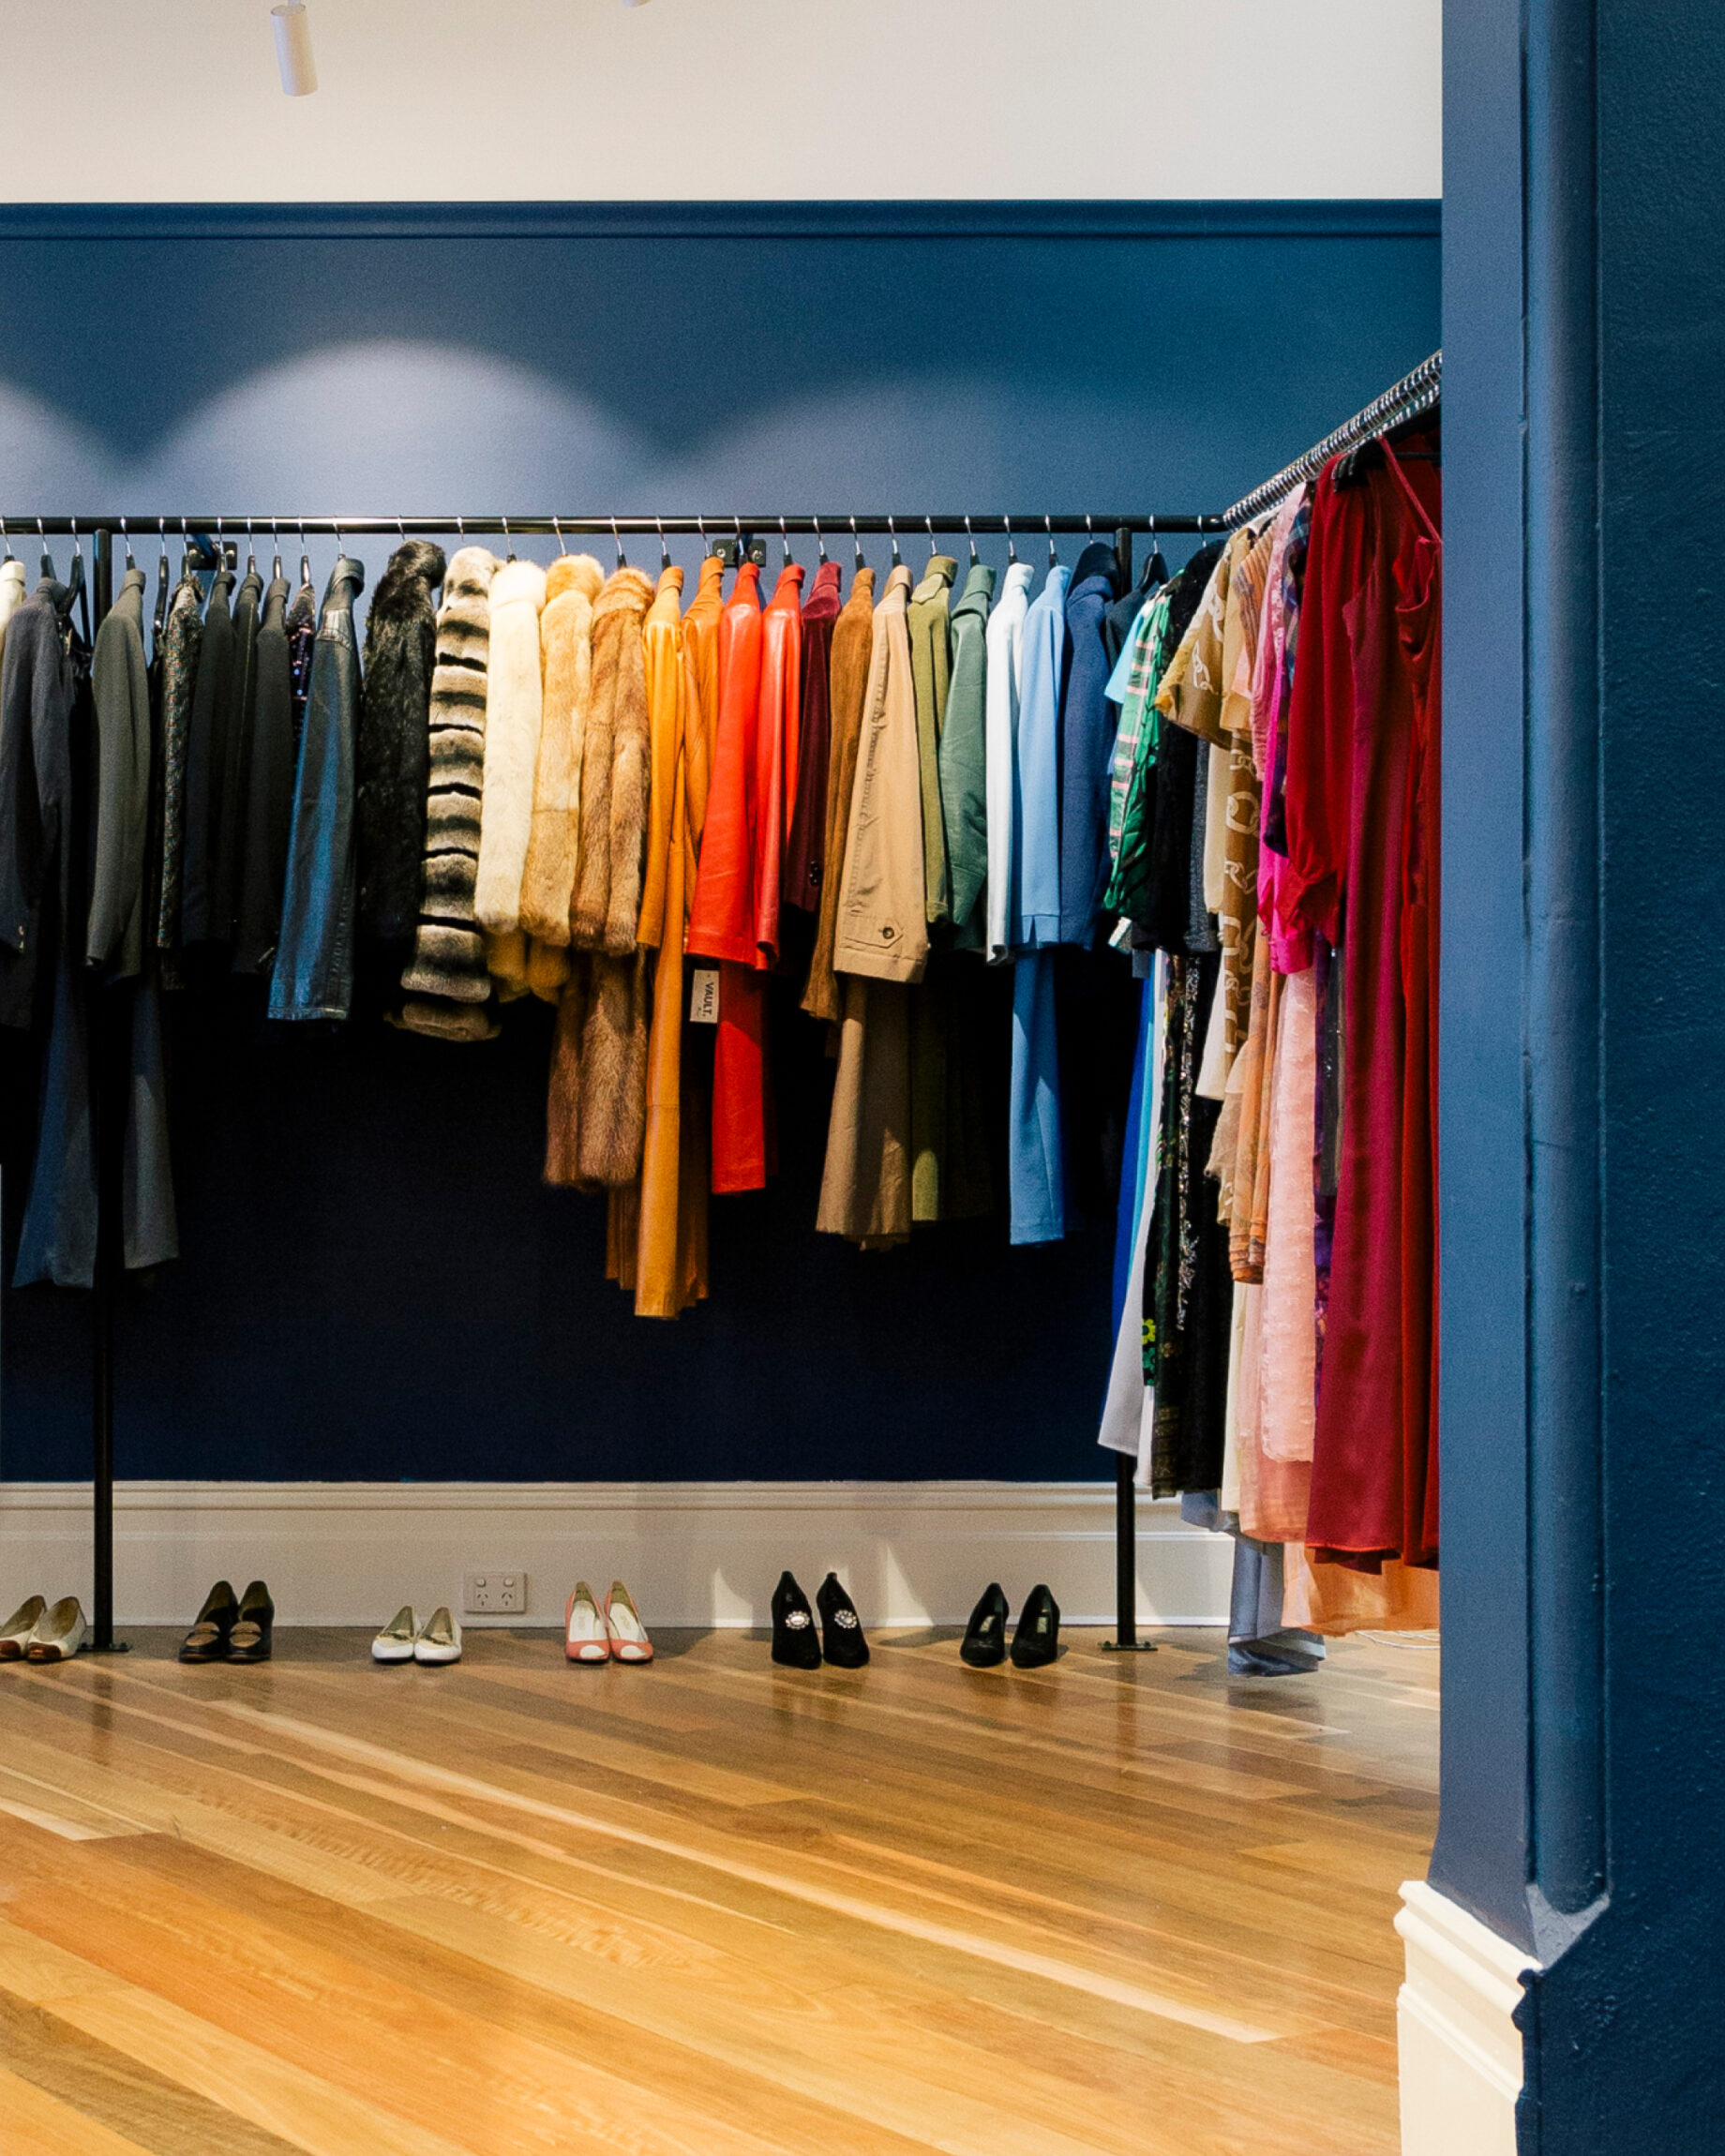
58,1634
625,1631
395,1642
15,1635
439,1642
585,1638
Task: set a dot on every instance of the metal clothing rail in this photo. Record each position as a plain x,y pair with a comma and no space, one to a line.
184,525
1415,392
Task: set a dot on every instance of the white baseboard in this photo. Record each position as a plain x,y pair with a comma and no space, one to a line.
705,1553
1461,2051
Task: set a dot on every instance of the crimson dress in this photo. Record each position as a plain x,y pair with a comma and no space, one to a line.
1362,798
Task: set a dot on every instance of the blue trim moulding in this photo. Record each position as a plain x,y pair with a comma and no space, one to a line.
1093,221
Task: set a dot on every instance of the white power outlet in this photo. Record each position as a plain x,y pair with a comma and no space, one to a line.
494,1595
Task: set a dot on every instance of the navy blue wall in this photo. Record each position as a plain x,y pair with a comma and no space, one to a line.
1584,1774
374,1283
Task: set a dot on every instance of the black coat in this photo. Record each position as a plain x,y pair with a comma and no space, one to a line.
393,742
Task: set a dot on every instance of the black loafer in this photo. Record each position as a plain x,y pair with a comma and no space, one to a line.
252,1639
984,1642
841,1628
1037,1641
795,1641
207,1641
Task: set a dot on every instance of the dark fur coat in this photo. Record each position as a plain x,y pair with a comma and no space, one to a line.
392,746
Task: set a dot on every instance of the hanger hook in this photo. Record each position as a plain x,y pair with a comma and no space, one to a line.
77,543
971,536
856,542
127,537
1011,552
784,542
932,549
42,534
664,552
623,559
8,537
1053,559
508,541
700,525
461,530
557,527
401,528
892,529
819,542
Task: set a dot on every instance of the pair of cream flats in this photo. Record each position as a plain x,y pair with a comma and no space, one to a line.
36,1633
404,1639
613,1634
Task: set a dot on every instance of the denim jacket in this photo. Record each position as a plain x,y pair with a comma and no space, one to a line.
313,975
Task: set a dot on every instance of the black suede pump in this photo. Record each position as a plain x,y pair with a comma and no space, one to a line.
795,1641
1037,1641
985,1640
841,1628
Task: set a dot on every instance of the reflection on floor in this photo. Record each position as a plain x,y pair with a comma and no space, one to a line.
711,1908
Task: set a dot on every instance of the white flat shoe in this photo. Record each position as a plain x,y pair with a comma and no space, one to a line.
625,1632
439,1642
15,1634
58,1634
585,1638
395,1642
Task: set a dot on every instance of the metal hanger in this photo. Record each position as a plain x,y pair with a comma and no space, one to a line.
784,542
932,549
125,535
161,581
856,543
897,558
971,536
623,559
508,540
305,559
74,582
556,526
251,552
700,525
1157,570
1053,559
1011,552
8,537
819,542
48,567
664,552
276,552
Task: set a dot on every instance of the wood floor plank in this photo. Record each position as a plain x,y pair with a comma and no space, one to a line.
32,2123
1124,1906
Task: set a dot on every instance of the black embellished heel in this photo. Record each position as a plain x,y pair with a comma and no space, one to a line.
985,1641
794,1639
1037,1641
841,1628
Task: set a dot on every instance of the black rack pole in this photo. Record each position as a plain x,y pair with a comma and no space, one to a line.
1126,1639
108,1128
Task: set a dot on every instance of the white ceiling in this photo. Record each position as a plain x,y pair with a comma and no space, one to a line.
422,100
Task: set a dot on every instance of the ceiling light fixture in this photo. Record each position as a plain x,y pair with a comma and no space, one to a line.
292,28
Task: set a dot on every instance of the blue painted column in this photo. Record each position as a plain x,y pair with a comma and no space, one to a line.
1583,1103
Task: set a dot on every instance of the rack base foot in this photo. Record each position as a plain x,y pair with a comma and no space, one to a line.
113,1647
1129,1646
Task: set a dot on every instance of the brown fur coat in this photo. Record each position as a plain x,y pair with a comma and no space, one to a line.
614,773
597,1113
554,850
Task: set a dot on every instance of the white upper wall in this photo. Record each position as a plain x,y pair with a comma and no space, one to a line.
506,100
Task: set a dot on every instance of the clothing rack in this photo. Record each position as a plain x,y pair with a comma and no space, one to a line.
106,1072
1414,394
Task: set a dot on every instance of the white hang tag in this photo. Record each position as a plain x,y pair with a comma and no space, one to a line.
704,995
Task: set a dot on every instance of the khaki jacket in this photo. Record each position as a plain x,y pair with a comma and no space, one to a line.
882,927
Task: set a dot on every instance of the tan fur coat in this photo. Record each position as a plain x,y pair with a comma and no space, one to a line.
614,773
565,642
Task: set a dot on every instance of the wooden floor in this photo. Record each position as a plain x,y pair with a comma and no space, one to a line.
711,1908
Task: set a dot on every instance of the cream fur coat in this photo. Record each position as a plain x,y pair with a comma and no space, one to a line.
513,713
554,844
